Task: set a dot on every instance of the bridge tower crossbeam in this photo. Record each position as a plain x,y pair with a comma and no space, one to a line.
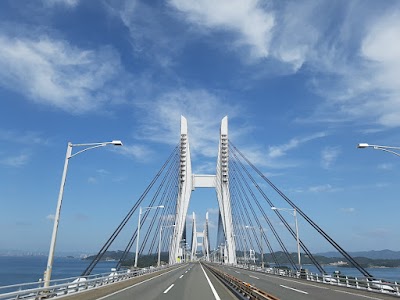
189,182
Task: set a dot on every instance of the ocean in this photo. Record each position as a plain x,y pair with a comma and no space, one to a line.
23,269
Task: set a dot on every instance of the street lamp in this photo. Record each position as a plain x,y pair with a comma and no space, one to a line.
297,229
138,231
47,272
159,244
378,147
249,227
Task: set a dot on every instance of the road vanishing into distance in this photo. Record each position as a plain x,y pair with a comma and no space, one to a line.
194,281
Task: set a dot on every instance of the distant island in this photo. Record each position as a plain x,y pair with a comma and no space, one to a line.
365,262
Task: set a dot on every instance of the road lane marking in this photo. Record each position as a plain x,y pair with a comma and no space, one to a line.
136,284
294,281
180,276
254,277
186,272
364,296
170,287
293,289
210,284
237,272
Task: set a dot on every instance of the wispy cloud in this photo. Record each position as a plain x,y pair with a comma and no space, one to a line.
15,160
348,210
137,152
68,3
251,24
280,150
385,167
329,156
55,73
203,111
320,188
50,217
25,137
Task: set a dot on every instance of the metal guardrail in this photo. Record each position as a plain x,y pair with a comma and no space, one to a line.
373,285
36,291
242,289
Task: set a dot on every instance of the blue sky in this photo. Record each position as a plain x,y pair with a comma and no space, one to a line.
302,83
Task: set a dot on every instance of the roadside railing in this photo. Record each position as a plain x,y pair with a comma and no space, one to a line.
370,284
60,287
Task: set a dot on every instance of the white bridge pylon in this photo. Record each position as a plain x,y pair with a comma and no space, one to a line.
189,182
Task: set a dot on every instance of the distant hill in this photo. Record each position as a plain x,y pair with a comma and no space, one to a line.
380,254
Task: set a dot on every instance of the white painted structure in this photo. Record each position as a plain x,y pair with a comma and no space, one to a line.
189,182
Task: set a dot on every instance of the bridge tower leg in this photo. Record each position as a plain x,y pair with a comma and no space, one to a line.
185,190
223,195
189,182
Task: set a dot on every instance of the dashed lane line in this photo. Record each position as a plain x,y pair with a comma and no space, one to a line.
170,287
293,289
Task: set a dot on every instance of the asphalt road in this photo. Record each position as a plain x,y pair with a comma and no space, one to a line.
287,288
187,282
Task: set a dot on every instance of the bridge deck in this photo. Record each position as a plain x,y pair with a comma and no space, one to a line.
187,281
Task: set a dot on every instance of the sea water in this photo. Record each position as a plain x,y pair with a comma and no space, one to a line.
24,269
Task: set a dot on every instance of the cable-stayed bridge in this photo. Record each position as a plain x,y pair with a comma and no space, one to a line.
193,261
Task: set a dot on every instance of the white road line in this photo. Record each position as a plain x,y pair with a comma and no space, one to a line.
364,296
237,272
170,287
210,284
293,289
298,282
180,276
186,272
136,284
254,277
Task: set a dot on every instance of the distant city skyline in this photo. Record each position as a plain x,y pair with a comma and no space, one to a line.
302,83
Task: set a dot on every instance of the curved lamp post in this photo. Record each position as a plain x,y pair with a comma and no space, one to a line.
378,147
159,244
138,231
47,272
294,214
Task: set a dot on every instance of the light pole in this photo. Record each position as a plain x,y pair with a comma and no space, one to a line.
297,230
262,250
47,272
248,227
159,244
378,147
138,230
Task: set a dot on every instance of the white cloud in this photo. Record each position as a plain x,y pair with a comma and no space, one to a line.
320,188
349,210
329,156
203,111
138,152
27,137
70,3
50,217
52,72
385,166
280,150
251,24
16,160
92,180
214,211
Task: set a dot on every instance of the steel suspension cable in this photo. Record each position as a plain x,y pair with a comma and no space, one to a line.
161,201
311,222
108,243
240,184
283,220
286,252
